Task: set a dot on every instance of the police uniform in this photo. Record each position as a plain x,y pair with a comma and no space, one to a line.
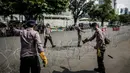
47,35
100,46
30,44
79,35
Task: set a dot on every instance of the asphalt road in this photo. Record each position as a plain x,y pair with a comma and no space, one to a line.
67,58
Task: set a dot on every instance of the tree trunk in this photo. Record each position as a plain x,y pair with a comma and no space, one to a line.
75,21
78,32
102,22
43,19
11,17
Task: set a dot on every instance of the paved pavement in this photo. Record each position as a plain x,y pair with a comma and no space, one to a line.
67,58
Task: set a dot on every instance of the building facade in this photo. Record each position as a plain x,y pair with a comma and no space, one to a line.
113,3
122,9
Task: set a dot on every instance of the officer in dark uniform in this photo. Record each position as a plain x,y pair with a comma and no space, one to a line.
47,36
100,47
79,30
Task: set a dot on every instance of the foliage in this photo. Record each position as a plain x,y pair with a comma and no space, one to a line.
5,8
124,18
32,8
79,8
93,13
102,12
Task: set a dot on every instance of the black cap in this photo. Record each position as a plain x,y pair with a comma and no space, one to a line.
31,23
94,24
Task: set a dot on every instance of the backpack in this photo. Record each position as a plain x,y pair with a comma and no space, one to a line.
106,40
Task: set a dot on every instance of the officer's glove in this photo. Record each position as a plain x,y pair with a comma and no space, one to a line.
99,53
44,58
86,40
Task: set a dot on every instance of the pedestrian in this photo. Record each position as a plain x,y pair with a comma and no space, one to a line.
100,46
79,30
30,45
47,35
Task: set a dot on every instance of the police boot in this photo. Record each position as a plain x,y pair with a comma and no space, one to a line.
97,70
102,72
79,46
53,46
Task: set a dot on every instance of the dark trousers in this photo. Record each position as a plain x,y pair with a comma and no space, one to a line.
48,38
28,64
79,40
100,61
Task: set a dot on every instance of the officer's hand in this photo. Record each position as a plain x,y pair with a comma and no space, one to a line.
83,41
95,47
86,40
45,62
44,58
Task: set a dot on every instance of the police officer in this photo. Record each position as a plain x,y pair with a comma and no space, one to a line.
30,44
100,47
47,35
79,30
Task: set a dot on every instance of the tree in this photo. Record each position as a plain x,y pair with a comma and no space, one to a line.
79,8
105,11
102,12
114,18
124,18
93,12
5,8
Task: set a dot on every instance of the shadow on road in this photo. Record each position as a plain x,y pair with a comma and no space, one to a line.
68,71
